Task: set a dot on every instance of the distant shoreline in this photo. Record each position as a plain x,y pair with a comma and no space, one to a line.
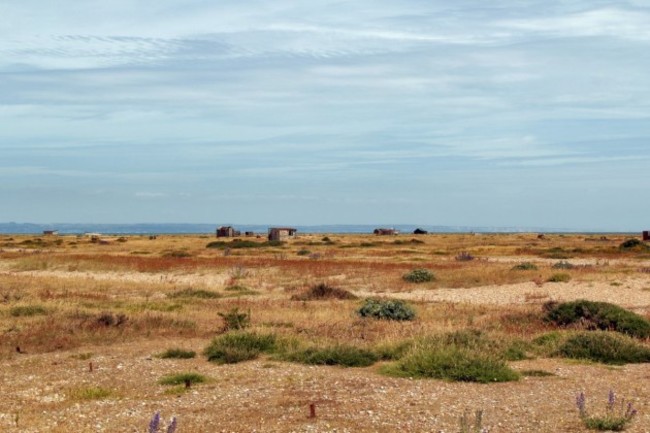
197,229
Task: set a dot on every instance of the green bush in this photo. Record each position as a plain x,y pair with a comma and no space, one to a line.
525,266
563,264
605,347
27,311
387,310
559,278
239,346
598,315
452,363
630,244
419,276
177,354
347,356
182,379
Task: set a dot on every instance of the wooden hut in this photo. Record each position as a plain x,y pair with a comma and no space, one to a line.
227,232
281,233
385,232
646,235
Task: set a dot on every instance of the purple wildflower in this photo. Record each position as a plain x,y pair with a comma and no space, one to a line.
154,423
630,411
611,400
172,426
581,402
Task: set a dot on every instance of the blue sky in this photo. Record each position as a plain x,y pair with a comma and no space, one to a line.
502,113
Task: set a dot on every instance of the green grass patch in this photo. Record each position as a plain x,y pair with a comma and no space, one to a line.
239,346
194,293
525,266
176,353
89,393
28,311
343,355
182,379
559,278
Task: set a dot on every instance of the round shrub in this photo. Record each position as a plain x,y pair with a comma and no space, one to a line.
387,309
346,356
419,276
605,347
630,243
559,278
239,346
525,266
598,315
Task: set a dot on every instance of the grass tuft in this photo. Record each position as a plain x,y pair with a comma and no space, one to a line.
182,379
236,347
176,353
605,347
323,291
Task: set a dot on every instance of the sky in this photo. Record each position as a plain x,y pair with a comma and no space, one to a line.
502,113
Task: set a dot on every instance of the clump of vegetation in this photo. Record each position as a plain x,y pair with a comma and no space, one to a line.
464,256
387,309
536,373
631,244
563,264
186,379
177,353
466,356
28,311
343,355
108,319
617,416
194,293
89,393
605,347
236,347
525,266
559,278
303,252
419,276
323,291
235,319
598,315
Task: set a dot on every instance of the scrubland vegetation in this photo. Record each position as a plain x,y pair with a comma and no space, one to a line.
458,309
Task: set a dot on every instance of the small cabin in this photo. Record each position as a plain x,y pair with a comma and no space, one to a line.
646,235
50,232
227,232
281,233
385,232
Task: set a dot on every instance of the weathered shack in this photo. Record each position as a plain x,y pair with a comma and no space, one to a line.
385,232
646,235
50,232
227,232
281,233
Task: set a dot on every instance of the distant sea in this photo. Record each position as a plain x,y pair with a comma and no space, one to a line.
182,228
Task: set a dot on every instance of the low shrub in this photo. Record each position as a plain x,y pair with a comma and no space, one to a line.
525,266
387,309
452,363
303,252
176,353
598,315
605,347
28,311
89,393
323,291
464,256
559,278
235,320
419,276
236,347
630,244
186,379
563,264
343,355
194,293
177,254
